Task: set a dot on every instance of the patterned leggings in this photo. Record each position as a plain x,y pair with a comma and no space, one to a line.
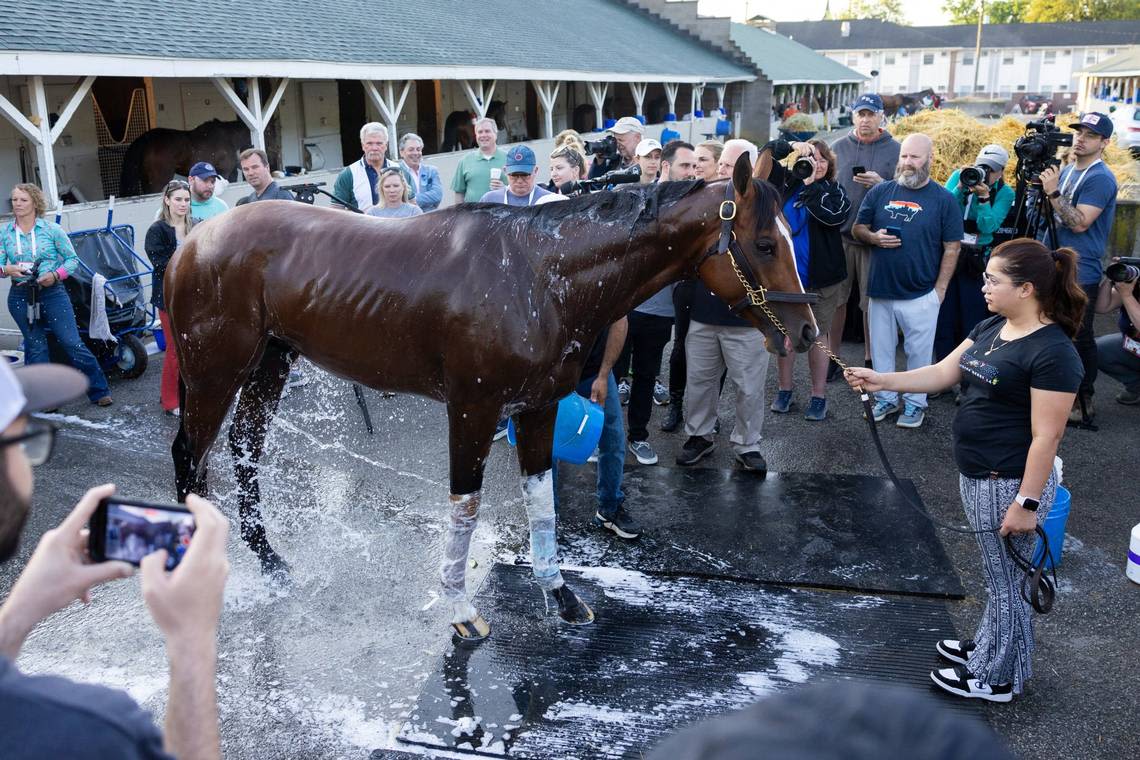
1005,634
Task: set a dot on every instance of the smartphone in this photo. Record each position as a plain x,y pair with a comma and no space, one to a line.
129,530
896,231
857,170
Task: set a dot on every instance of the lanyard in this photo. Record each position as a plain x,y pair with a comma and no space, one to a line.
1069,177
969,202
529,201
19,246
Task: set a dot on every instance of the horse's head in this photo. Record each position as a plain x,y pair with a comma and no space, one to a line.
753,266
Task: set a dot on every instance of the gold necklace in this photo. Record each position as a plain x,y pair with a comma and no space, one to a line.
993,343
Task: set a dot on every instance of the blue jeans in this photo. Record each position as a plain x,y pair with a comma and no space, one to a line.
55,315
1114,361
611,451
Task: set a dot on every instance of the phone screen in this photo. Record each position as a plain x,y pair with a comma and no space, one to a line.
857,170
129,531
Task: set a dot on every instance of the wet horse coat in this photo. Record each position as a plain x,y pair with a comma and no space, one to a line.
487,308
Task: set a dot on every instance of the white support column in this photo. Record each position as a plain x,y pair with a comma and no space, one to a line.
239,107
720,90
697,99
45,153
671,93
253,103
547,97
479,100
598,91
638,91
73,102
390,108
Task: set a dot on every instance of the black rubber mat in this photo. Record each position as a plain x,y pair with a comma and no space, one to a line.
664,651
829,531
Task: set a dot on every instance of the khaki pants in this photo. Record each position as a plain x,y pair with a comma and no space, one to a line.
709,349
858,271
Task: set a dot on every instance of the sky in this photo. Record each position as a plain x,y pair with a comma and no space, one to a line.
918,12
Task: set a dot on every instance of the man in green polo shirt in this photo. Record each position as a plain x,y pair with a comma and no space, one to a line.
480,171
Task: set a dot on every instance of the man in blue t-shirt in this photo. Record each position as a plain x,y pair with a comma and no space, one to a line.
914,229
1083,198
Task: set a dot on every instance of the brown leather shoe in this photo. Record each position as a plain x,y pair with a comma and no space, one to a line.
105,401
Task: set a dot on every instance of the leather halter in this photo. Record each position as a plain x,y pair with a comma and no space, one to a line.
755,294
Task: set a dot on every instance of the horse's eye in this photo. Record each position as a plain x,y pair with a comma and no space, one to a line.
764,246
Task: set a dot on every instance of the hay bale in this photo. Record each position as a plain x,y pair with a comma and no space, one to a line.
958,138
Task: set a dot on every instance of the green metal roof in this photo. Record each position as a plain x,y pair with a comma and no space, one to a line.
786,61
555,35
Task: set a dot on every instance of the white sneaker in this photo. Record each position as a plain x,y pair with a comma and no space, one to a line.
957,680
593,457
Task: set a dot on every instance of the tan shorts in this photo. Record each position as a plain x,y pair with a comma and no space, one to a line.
858,271
829,300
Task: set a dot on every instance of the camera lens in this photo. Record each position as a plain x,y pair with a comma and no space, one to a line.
1121,272
803,168
971,176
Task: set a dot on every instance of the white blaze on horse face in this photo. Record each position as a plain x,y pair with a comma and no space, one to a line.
453,572
538,497
792,250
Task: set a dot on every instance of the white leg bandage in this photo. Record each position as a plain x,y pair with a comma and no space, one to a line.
453,572
538,496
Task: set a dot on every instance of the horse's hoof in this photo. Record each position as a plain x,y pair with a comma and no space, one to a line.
570,608
276,570
475,629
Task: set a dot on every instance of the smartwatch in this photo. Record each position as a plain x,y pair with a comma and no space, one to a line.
1028,503
1055,194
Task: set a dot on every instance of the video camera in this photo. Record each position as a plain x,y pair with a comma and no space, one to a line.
1037,149
1126,269
625,176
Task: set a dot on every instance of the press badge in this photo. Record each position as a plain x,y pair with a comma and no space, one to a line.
1132,346
968,238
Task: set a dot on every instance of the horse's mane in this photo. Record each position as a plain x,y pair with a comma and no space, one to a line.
624,206
768,202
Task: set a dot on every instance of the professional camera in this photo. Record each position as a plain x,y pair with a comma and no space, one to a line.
972,176
1126,269
803,167
1037,149
606,148
625,176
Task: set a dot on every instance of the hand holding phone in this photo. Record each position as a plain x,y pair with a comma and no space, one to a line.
128,531
856,170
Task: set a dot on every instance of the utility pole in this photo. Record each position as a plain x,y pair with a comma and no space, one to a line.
978,45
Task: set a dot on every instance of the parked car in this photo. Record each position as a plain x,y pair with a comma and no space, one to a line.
1126,127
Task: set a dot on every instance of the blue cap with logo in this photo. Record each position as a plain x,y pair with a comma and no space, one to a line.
203,170
1097,122
520,160
868,101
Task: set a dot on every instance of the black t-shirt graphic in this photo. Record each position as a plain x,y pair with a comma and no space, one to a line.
993,430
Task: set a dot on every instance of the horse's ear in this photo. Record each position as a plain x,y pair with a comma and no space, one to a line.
742,174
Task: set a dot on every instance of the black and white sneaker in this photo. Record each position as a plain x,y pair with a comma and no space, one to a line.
619,523
955,651
694,450
957,680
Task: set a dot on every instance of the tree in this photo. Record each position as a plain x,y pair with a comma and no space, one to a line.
883,10
997,11
1040,11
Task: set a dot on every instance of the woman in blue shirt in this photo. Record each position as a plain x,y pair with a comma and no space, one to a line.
984,208
37,253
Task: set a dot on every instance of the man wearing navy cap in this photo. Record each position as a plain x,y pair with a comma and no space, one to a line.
203,181
872,148
522,171
1083,197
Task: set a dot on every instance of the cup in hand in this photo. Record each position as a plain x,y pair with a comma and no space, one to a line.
496,174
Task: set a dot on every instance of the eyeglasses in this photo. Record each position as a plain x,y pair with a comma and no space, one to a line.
38,442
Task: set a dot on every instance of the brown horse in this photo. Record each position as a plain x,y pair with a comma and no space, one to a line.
487,308
907,103
158,154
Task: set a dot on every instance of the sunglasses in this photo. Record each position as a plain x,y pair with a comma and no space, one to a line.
38,442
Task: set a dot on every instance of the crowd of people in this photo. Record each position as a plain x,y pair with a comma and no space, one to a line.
1005,326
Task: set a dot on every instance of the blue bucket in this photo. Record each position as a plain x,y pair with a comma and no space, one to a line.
577,429
1054,526
160,339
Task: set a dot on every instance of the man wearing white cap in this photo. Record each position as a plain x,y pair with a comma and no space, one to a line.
50,716
985,201
627,132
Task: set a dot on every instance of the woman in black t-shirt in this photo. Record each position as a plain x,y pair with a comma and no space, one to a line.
1021,374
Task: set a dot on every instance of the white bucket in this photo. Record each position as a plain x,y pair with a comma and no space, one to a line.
1133,570
14,358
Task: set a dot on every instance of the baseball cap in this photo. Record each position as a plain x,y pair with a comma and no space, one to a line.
868,101
647,146
1097,122
35,388
993,156
520,160
203,170
627,124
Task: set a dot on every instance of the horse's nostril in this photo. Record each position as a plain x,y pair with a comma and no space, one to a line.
809,332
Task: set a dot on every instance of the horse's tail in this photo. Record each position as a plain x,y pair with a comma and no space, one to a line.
130,176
